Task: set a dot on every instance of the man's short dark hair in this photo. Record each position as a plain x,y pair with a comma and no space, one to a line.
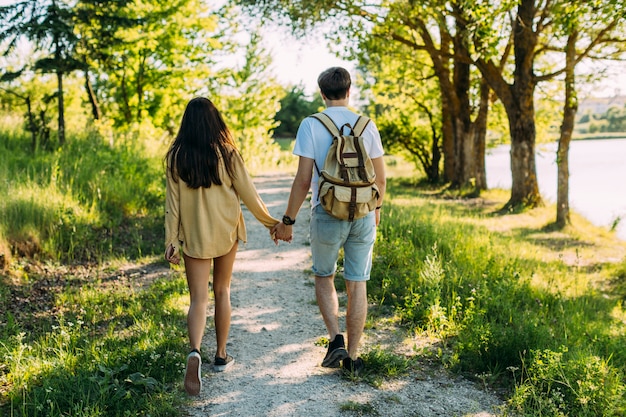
334,83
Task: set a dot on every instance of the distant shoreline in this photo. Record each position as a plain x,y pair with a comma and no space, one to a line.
600,136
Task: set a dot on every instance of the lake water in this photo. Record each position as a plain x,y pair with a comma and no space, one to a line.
597,185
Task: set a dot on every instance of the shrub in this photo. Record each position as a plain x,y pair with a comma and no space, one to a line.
557,383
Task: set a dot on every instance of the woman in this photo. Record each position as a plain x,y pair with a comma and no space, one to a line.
206,178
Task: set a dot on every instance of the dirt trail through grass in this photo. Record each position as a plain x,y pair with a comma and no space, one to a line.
274,338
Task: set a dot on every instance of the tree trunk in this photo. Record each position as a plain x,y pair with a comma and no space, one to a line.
469,135
460,140
524,187
125,105
464,146
480,133
61,108
447,132
32,127
567,126
436,158
140,76
521,112
93,100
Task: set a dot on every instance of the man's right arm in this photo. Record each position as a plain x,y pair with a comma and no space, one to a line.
299,190
300,187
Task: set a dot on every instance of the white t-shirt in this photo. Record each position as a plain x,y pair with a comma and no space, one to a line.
313,141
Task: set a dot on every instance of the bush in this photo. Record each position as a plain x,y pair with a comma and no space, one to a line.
555,383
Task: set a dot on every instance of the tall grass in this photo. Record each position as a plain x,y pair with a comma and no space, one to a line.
87,201
508,312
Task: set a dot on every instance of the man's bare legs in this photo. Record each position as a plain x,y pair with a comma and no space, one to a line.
356,314
328,303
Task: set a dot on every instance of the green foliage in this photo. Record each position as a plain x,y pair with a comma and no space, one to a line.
156,68
360,409
557,383
249,101
495,306
116,355
85,201
381,365
294,107
136,67
402,93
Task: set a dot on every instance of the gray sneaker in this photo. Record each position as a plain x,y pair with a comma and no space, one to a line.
336,353
222,364
193,379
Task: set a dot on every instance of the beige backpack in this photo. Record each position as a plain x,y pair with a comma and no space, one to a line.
347,183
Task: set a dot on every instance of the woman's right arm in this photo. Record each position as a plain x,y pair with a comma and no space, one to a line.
172,218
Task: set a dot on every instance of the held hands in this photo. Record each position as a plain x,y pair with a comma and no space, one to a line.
172,255
281,232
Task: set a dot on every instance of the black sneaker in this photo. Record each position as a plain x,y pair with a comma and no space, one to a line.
222,364
336,353
353,367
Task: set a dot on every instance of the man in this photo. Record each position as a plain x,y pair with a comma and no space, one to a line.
328,234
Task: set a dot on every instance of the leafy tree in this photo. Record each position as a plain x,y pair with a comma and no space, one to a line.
418,26
518,96
250,100
50,26
161,62
294,107
404,97
100,26
589,28
537,28
78,34
425,26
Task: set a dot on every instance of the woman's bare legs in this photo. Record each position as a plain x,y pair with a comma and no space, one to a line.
198,272
222,274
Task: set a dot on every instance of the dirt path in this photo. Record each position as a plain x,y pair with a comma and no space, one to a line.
275,327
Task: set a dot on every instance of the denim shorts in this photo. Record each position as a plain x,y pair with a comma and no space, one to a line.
329,234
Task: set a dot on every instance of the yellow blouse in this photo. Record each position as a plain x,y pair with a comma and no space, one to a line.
206,222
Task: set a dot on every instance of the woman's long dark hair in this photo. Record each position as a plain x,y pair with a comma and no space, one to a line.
203,138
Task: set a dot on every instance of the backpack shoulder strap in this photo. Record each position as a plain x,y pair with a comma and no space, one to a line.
360,125
328,123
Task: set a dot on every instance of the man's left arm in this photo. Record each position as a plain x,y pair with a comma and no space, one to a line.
381,182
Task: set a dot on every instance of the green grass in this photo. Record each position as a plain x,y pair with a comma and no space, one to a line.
504,297
512,302
88,201
358,409
77,339
97,348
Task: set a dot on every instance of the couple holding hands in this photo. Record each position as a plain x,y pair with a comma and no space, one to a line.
207,179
